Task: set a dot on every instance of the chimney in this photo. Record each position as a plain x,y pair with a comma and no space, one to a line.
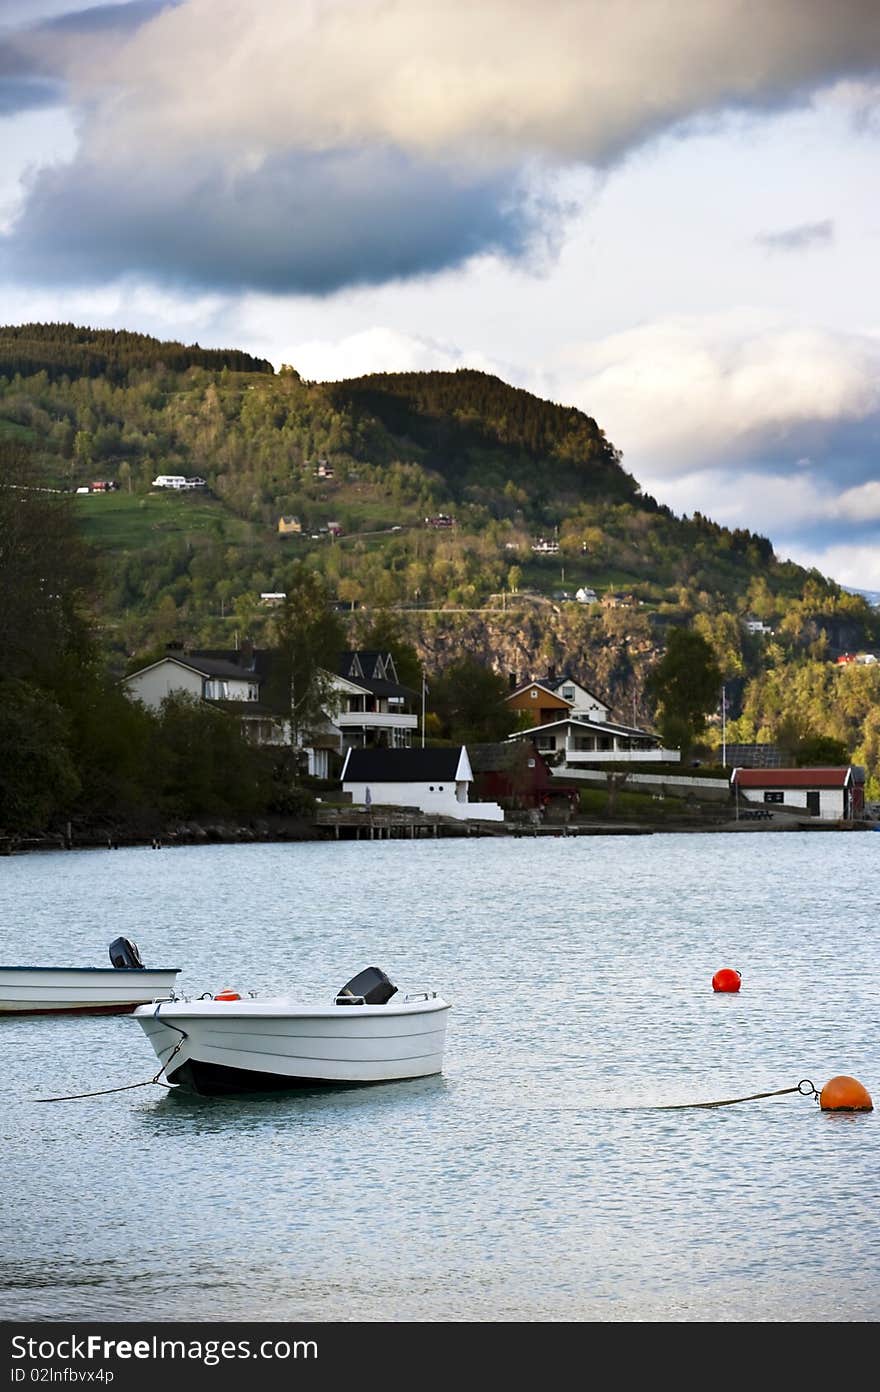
551,671
246,654
511,680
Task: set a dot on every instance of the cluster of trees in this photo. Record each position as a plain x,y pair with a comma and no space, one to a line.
66,350
72,746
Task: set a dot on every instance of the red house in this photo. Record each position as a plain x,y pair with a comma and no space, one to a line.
517,775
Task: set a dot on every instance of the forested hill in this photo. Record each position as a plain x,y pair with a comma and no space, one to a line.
418,491
459,418
64,350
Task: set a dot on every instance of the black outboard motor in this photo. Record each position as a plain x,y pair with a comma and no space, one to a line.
124,953
369,987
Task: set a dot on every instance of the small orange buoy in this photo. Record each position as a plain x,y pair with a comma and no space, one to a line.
227,995
845,1095
726,980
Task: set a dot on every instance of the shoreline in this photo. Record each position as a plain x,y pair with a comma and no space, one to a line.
281,830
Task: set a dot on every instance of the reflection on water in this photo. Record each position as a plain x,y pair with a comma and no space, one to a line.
536,1179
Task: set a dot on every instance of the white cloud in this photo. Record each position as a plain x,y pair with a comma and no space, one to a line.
852,564
689,393
379,350
573,79
860,504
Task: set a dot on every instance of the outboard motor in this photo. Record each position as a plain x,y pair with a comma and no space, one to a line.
369,987
124,953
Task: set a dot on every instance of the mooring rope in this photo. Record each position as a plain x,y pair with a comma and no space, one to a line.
127,1087
805,1087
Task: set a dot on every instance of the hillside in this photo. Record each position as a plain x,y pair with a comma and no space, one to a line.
535,498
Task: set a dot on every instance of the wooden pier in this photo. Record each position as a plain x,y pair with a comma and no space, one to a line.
380,823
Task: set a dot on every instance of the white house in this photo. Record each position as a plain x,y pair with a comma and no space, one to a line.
583,703
235,681
209,677
372,707
831,794
368,704
582,743
433,780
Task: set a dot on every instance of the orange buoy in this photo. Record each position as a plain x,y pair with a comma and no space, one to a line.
845,1095
726,980
227,995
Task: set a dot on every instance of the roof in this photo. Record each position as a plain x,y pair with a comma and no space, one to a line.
583,723
406,765
542,686
496,758
204,665
364,662
379,688
554,683
792,778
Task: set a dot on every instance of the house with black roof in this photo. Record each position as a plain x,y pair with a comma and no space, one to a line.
238,681
436,780
372,706
369,706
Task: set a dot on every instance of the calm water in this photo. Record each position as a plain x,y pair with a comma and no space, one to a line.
536,1179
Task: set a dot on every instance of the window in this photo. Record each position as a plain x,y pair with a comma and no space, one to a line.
568,693
774,797
534,695
531,763
545,741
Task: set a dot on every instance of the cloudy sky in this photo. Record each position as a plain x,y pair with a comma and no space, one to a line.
665,212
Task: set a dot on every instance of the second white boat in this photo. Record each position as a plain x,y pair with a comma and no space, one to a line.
369,1033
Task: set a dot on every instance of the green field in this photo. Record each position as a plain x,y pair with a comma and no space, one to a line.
11,430
127,522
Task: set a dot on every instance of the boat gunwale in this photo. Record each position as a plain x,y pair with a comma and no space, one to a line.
271,1009
104,971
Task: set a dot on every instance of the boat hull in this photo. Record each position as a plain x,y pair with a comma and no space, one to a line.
82,990
241,1046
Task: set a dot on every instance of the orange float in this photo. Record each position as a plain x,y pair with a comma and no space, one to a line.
845,1094
227,995
727,979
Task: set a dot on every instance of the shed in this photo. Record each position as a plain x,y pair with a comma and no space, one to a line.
433,780
830,794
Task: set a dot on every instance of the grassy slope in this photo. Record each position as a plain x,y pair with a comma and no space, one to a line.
126,522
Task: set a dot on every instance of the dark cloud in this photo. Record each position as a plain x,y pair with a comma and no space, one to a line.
841,451
34,58
307,223
98,19
28,94
800,238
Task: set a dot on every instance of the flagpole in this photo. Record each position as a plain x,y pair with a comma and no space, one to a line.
723,726
424,690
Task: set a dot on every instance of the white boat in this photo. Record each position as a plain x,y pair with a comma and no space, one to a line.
369,1033
112,990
